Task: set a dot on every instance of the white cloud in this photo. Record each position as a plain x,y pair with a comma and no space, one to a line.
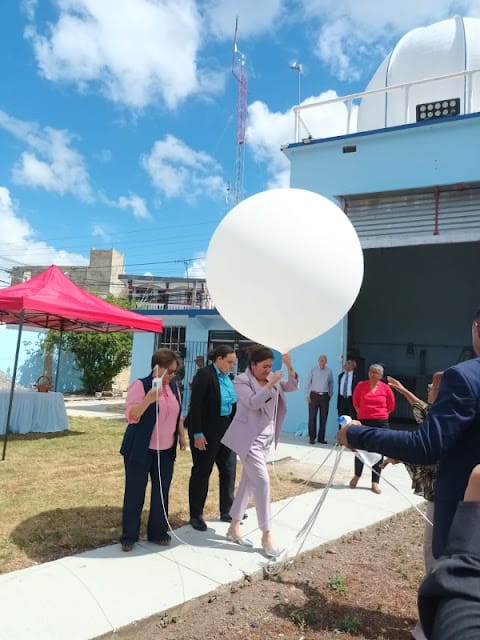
197,267
50,162
100,231
350,32
267,131
133,202
19,243
136,204
254,17
28,7
179,171
134,50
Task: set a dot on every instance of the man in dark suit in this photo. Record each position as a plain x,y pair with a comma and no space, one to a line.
450,435
347,381
212,407
449,597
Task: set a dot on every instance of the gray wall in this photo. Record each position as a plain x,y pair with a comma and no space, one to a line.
424,296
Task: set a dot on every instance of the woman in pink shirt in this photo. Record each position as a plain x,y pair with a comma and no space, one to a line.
373,401
149,449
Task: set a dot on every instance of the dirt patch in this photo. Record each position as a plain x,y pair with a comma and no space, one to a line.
361,587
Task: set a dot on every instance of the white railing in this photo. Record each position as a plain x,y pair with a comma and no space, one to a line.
161,306
405,86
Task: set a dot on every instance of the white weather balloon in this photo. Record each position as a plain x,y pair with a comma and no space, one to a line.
284,266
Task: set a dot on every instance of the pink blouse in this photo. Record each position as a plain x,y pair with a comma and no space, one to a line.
163,435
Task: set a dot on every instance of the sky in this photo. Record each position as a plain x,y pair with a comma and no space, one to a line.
118,117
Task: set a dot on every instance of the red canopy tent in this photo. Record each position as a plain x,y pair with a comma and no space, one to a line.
50,300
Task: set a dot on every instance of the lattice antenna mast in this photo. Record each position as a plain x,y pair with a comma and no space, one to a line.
238,72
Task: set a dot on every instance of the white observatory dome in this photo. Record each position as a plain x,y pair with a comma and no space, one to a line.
446,47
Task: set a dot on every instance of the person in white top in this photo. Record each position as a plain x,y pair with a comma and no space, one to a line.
318,391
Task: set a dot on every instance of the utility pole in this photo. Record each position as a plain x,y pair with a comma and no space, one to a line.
296,66
238,72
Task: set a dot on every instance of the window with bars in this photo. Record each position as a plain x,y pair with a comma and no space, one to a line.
235,340
172,338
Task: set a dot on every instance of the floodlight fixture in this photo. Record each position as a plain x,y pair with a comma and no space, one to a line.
438,109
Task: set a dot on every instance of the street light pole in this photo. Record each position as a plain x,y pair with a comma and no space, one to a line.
296,66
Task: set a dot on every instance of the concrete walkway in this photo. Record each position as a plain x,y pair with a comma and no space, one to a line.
89,594
90,408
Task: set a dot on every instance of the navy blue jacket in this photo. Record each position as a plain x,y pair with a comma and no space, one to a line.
136,440
449,598
450,435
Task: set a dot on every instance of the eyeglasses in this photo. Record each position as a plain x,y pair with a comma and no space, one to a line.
170,372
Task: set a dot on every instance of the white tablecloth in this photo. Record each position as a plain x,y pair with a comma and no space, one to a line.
33,411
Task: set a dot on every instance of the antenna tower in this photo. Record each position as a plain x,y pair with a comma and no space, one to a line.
238,72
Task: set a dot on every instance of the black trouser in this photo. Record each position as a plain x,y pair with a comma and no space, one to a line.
377,468
345,407
318,402
203,461
136,477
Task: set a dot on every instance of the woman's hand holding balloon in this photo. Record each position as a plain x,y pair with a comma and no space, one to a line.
274,378
287,360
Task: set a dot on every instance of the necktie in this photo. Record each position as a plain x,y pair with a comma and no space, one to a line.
345,384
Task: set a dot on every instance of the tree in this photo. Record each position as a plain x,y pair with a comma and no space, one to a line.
100,356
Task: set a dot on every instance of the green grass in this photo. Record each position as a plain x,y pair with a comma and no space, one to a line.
62,493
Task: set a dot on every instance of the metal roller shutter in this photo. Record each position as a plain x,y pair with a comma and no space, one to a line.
429,216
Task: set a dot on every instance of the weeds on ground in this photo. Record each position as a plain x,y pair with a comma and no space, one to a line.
338,584
348,624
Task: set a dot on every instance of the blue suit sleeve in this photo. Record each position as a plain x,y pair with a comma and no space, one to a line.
449,417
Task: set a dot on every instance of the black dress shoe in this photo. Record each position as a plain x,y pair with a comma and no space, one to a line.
322,442
198,523
164,540
226,517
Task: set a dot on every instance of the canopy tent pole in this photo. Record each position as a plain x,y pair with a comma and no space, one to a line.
12,385
60,345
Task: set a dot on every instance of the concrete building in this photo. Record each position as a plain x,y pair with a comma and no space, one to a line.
159,293
100,276
407,177
404,168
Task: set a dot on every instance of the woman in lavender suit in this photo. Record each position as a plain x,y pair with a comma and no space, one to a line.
261,409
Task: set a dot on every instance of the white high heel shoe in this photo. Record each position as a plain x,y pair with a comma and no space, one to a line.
243,542
272,552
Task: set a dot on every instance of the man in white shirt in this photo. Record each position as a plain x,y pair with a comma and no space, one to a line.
318,391
347,381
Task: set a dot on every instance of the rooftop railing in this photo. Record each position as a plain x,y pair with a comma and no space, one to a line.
404,87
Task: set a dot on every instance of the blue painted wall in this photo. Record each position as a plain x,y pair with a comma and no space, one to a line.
407,157
304,357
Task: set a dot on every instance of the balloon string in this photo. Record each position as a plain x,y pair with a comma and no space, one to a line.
274,567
